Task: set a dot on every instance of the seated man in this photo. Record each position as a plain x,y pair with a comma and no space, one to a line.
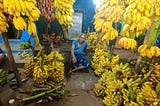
77,54
2,56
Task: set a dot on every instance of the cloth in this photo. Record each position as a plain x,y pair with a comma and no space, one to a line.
78,52
77,49
81,61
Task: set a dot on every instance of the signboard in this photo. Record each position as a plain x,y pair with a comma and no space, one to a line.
76,29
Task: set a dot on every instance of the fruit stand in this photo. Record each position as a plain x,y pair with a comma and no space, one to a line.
123,73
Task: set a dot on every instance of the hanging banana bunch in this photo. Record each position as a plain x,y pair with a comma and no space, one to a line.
3,19
47,10
111,11
138,17
64,12
24,14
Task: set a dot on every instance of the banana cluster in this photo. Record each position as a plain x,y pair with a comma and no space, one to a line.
124,69
64,12
122,85
110,35
103,61
31,28
139,16
40,75
47,10
106,14
49,67
113,92
19,23
28,67
128,43
24,12
149,52
57,71
94,41
147,96
3,19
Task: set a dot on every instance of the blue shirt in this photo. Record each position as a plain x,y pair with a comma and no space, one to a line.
79,50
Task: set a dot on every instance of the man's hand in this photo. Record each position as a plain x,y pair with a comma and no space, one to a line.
74,59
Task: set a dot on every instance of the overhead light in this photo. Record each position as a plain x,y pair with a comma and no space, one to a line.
97,3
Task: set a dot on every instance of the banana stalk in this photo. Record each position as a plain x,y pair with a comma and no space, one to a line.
65,32
154,32
144,42
40,95
34,90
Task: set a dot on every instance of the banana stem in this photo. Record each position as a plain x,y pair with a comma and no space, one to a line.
34,90
153,35
39,95
139,80
40,52
144,43
65,32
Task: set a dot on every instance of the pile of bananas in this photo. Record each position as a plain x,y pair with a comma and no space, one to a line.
149,52
24,12
103,61
64,11
122,85
29,67
25,45
128,43
3,19
57,71
94,41
110,11
40,74
47,10
147,96
49,67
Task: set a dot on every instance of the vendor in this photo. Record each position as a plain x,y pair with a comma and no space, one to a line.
77,52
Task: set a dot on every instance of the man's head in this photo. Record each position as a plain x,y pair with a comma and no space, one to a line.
82,38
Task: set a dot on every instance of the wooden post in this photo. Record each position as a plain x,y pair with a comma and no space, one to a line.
11,59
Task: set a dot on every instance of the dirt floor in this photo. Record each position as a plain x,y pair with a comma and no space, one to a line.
79,87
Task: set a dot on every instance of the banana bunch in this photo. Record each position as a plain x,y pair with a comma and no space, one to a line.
91,39
40,75
113,93
155,75
147,96
128,43
99,71
29,67
22,8
24,12
110,35
115,60
139,16
122,70
19,23
109,12
57,71
149,52
3,20
48,67
31,28
100,86
100,58
25,45
64,12
47,10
